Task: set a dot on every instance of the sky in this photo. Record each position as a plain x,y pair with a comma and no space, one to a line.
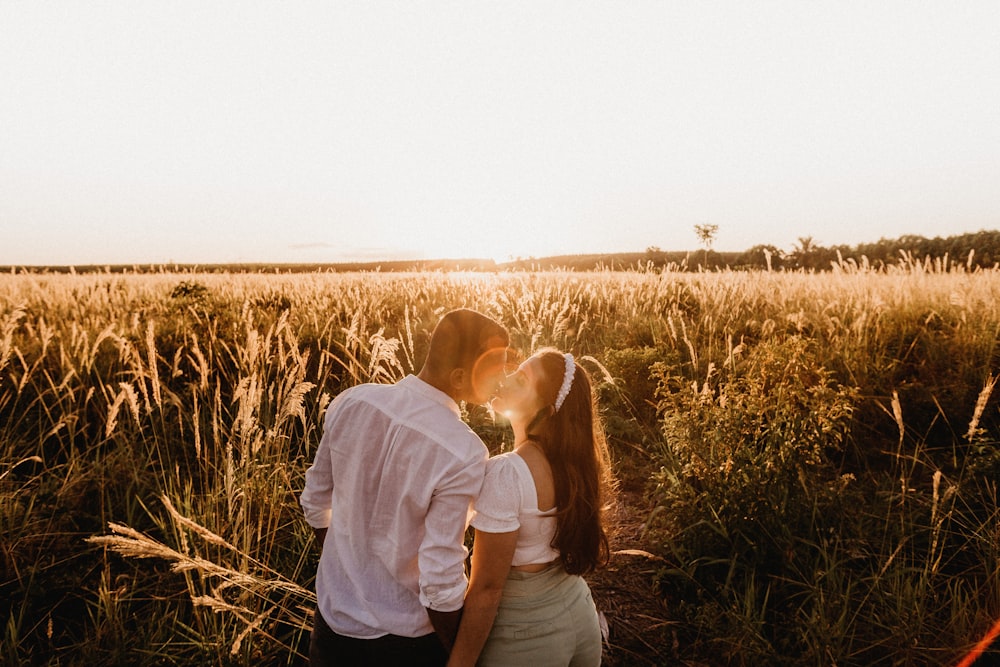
218,131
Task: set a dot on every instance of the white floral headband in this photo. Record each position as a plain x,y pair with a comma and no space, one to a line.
567,381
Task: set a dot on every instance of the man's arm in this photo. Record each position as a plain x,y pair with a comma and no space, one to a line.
446,625
320,536
442,554
317,493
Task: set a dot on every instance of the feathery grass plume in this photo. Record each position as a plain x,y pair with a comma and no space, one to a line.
606,376
126,393
200,530
351,348
138,371
690,347
383,363
200,363
112,421
981,401
196,424
247,397
293,404
251,626
897,413
562,320
217,604
10,324
254,586
939,515
108,333
408,349
131,543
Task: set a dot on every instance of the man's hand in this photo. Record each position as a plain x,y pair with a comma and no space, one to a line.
320,536
446,626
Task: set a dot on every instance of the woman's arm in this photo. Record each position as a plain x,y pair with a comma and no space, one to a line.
492,554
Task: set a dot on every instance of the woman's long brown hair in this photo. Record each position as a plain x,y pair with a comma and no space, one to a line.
574,444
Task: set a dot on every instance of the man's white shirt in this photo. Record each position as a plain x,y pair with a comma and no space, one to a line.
394,477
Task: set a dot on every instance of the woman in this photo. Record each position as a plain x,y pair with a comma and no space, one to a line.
539,526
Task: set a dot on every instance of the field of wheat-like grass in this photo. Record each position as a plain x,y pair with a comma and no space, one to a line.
817,454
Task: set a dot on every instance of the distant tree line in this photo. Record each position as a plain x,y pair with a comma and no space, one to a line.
978,250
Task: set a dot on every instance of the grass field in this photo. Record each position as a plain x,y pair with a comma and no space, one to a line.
817,454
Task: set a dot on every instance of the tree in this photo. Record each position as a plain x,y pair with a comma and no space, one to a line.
805,245
803,251
706,236
762,256
655,255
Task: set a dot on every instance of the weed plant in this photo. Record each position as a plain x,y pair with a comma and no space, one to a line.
821,450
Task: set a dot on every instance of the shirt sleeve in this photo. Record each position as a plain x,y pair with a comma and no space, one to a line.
499,503
442,555
317,496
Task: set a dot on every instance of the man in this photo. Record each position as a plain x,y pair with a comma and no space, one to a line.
395,474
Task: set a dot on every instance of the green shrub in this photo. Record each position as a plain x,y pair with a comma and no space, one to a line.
747,486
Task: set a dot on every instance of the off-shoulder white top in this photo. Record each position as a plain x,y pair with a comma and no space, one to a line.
508,501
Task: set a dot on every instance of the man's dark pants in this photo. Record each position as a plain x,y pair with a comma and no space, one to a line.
328,649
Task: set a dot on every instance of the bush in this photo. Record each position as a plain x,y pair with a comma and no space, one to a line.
189,289
749,487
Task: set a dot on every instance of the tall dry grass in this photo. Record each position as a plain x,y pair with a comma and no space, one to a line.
171,417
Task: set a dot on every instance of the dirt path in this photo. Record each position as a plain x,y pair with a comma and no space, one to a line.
624,591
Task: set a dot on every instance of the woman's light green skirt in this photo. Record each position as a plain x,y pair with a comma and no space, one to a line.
545,618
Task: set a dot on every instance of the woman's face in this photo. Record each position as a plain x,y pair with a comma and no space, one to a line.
518,397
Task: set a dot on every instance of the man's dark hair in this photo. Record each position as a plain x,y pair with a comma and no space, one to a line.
461,337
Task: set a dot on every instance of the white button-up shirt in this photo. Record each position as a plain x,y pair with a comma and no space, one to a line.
394,478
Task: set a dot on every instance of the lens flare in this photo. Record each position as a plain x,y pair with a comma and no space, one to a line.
488,372
979,648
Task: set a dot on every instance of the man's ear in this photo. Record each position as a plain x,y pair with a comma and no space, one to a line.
457,378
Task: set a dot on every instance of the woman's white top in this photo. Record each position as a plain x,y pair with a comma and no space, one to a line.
508,501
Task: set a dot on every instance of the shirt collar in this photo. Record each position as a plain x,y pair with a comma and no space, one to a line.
415,384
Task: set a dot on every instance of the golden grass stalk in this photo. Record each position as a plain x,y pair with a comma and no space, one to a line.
195,527
7,336
897,413
127,393
130,543
254,587
27,459
981,401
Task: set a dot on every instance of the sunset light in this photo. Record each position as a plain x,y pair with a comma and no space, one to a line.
219,132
